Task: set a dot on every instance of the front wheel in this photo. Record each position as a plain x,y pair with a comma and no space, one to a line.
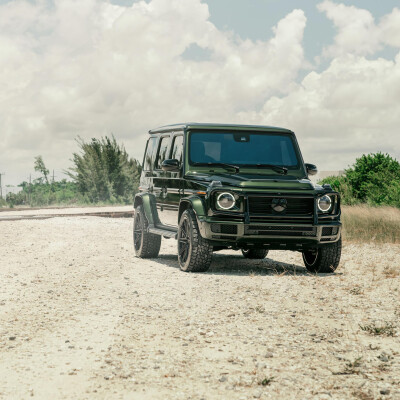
194,252
324,259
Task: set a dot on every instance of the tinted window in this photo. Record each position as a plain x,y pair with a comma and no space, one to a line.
150,154
177,148
242,148
162,151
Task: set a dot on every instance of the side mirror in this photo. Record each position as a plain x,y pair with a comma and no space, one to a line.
311,169
170,165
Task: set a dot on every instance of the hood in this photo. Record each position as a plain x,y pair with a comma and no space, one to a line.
255,181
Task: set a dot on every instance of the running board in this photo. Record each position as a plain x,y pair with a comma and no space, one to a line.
164,232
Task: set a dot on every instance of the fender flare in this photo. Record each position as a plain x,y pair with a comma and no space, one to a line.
197,204
148,201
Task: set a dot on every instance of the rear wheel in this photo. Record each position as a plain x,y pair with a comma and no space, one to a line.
194,252
324,259
147,245
255,254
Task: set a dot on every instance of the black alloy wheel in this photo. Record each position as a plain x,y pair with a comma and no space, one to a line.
184,243
137,231
194,252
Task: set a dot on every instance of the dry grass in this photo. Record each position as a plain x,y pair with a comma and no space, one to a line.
371,224
383,329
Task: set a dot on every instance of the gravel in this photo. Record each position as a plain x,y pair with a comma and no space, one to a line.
89,320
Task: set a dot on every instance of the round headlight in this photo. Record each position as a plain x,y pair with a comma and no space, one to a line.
324,203
226,201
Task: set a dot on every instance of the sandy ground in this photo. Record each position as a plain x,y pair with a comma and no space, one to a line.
81,317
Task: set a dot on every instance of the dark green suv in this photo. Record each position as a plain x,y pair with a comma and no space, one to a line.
214,187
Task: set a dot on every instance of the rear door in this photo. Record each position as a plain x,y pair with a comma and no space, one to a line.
161,179
146,178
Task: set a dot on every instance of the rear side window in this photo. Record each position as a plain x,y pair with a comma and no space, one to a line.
162,151
177,148
150,154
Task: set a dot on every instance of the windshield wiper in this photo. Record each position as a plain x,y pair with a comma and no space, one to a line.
218,164
277,168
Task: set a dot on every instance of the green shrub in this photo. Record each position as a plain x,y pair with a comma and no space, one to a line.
104,172
373,179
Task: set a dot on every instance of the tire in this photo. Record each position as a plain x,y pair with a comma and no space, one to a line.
323,259
194,252
255,254
147,245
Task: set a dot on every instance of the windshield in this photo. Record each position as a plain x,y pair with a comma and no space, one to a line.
242,148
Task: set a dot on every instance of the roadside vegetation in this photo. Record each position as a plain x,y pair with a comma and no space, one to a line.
370,192
102,173
374,179
363,223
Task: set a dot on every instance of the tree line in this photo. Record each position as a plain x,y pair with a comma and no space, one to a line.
102,172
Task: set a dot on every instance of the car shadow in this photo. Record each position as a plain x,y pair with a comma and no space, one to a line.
229,264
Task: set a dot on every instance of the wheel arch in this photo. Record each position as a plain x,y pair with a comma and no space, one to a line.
148,201
196,203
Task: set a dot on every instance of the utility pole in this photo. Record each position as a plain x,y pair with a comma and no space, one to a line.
1,187
30,189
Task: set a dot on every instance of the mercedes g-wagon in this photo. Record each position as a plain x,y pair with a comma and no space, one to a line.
240,187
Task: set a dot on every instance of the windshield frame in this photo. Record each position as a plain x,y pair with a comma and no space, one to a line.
246,166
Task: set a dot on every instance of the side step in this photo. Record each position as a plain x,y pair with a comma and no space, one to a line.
169,233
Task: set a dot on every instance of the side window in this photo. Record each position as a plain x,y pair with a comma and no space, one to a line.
162,151
150,154
177,148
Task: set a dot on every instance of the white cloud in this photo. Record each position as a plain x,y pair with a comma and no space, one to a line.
358,32
390,28
350,108
90,68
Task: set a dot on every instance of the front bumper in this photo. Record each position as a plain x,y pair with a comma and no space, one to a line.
273,236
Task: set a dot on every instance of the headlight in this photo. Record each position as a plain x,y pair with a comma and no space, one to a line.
324,203
226,201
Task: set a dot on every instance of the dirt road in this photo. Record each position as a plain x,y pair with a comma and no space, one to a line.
81,317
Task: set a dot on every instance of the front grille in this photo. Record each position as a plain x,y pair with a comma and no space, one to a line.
224,228
280,230
295,205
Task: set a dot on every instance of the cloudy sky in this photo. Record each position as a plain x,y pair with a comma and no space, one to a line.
329,70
